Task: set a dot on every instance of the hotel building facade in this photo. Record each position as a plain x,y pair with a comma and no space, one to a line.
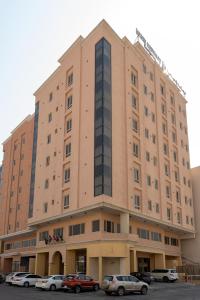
110,183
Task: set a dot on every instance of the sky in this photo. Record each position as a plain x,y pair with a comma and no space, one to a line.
35,33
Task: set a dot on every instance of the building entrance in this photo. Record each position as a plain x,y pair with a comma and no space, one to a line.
143,264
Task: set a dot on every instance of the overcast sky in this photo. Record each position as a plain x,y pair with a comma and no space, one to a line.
35,33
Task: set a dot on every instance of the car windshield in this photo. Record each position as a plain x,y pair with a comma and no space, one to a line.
22,275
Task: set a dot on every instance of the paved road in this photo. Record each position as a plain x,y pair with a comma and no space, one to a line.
158,291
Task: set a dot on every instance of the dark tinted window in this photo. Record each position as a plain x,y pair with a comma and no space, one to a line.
109,278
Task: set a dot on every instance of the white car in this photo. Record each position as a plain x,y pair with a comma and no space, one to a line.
52,282
10,276
25,280
165,275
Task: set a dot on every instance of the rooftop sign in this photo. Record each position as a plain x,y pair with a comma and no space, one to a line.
155,56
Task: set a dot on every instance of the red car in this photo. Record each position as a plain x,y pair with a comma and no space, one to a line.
79,282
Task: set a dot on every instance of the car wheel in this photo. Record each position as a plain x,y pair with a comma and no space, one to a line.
165,279
121,291
26,284
108,293
144,290
52,287
96,287
77,289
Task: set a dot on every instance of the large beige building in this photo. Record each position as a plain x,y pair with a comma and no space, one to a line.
111,184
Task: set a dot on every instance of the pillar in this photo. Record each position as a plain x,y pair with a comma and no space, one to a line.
133,261
160,261
100,269
124,223
31,267
69,266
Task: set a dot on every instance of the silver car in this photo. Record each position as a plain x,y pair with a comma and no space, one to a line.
52,282
122,284
10,276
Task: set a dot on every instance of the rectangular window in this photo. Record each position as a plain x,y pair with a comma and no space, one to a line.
167,240
134,77
109,226
70,79
66,201
77,229
153,138
178,217
69,101
152,96
151,76
162,89
153,118
156,184
137,204
136,175
135,125
145,89
49,139
146,133
135,150
67,175
147,156
168,191
157,208
146,111
69,125
95,225
143,233
148,180
134,101
58,233
174,242
45,207
46,184
47,160
50,97
49,117
68,150
43,235
144,67
149,205
156,236
169,213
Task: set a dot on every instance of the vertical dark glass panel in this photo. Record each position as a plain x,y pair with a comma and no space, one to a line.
103,120
34,153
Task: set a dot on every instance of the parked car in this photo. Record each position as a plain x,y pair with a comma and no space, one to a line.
52,282
10,276
2,278
166,275
25,280
79,282
122,284
146,276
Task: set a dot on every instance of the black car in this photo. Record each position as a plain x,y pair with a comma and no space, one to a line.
146,277
1,278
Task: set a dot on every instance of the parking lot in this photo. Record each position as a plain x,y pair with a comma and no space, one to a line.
157,291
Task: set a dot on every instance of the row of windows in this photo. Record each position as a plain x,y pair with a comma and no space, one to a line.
22,244
149,235
69,82
137,204
68,128
171,241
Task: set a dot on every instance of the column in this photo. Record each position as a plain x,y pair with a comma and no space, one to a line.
160,261
100,269
124,223
133,261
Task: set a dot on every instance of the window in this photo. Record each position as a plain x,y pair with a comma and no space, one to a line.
174,242
135,150
145,89
153,138
165,149
187,220
169,214
146,111
190,202
108,226
178,196
176,175
162,89
173,118
43,235
135,125
58,232
164,128
69,125
178,217
134,101
45,207
168,191
144,67
149,205
157,208
184,180
156,184
153,118
143,233
67,175
167,240
49,117
166,167
68,150
49,139
192,221
69,102
175,156
148,180
181,125
47,160
151,76
147,156
50,97
189,183
95,225
66,201
156,236
70,79
20,189
136,175
76,229
174,137
172,99
163,108
152,96
137,201
46,184
134,77
146,133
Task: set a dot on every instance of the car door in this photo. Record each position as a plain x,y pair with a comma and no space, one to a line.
58,281
135,283
88,282
127,283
